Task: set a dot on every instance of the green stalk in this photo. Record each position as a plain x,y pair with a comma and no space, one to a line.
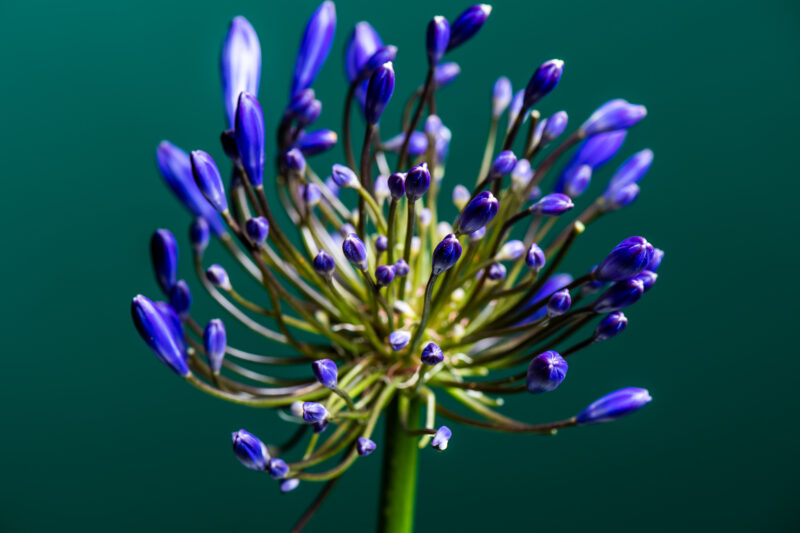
399,476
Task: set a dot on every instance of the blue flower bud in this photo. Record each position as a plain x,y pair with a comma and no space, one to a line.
218,277
240,65
554,126
417,145
553,283
174,323
619,198
381,243
544,80
647,278
199,234
159,334
478,213
613,115
511,251
314,412
206,175
496,272
535,258
559,303
418,180
553,204
215,341
620,294
344,176
294,161
399,339
612,325
461,196
384,275
578,181
180,297
397,185
326,372
314,47
332,187
250,451
310,114
362,44
614,405
437,39
288,485
277,468
364,446
503,164
467,24
379,92
257,230
320,426
316,142
546,372
382,55
433,125
228,142
477,235
401,268
627,259
311,194
631,171
501,96
164,256
442,145
441,438
249,133
446,254
445,73
355,251
324,265
516,107
432,354
299,103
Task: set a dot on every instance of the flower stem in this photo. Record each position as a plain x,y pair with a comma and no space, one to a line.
399,477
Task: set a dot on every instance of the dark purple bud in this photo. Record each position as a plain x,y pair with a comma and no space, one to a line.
553,204
620,294
432,354
631,171
324,265
655,262
501,96
578,181
250,451
418,180
613,115
612,325
298,103
199,235
647,278
240,65
417,145
385,54
546,372
215,342
401,268
319,427
294,161
554,126
503,164
277,468
627,259
314,412
379,92
445,74
180,297
355,251
326,373
381,243
228,141
314,47
446,254
559,303
217,276
441,438
397,185
160,334
288,485
206,175
310,114
249,133
164,256
496,272
615,405
384,275
478,213
364,446
316,142
399,339
362,44
343,176
311,194
467,24
535,258
621,197
542,82
257,230
437,38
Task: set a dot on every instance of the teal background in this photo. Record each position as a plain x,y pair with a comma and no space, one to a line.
98,436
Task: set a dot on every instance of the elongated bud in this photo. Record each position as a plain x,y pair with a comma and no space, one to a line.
363,42
614,405
397,185
516,107
355,251
316,142
620,294
442,437
417,182
180,297
215,342
613,115
364,446
612,325
249,134
314,412
437,39
299,103
294,161
257,230
310,114
314,47
655,262
324,265
311,194
554,126
384,275
546,372
445,74
631,171
535,258
206,175
277,468
553,204
511,251
503,164
647,278
432,354
288,485
399,339
478,213
544,80
619,198
625,261
417,144
578,181
159,334
446,254
461,196
250,451
240,65
326,373
401,268
218,277
521,175
383,55
379,92
501,96
467,24
164,256
343,176
559,303
199,234
496,272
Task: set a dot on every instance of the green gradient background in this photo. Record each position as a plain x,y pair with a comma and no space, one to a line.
97,436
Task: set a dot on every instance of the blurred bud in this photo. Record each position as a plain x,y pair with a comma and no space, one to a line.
288,485
502,165
401,268
257,230
314,47
445,74
381,243
355,251
432,354
365,446
199,235
217,276
277,468
311,194
215,343
501,96
460,196
240,65
206,175
249,133
294,161
381,188
397,185
384,275
417,144
578,181
324,265
620,294
535,258
631,171
180,297
511,251
164,256
316,142
344,176
554,127
399,339
613,115
379,92
441,438
647,278
496,272
553,204
314,412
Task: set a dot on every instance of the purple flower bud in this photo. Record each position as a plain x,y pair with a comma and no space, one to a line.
299,103
164,256
399,339
250,451
552,284
324,265
332,187
240,65
511,251
467,24
379,92
542,82
559,303
310,114
594,152
516,107
344,176
461,196
535,258
621,197
647,278
294,160
314,412
314,47
364,446
477,235
316,142
522,174
546,372
417,182
478,213
206,175
613,115
554,126
443,138
363,42
553,204
383,55
433,125
249,133
311,194
496,272
397,185
578,181
180,297
631,171
326,373
437,38
401,268
612,325
432,354
355,251
381,243
288,485
625,261
503,164
446,254
417,145
159,334
615,405
277,468
215,342
501,96
441,438
445,74
620,294
257,230
655,262
199,235
217,276
384,275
